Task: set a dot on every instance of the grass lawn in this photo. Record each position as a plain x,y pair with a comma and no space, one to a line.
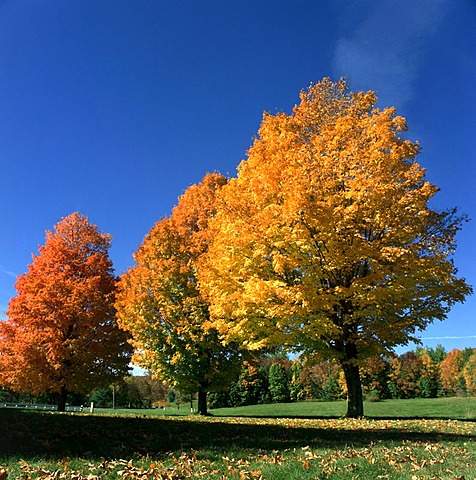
445,408
448,408
142,446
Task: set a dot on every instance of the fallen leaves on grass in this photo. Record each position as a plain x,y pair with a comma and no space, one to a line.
416,449
31,472
241,468
407,457
183,467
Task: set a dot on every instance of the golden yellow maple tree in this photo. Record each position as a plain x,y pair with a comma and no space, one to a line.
160,303
61,335
325,240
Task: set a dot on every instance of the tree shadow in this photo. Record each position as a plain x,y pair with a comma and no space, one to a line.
33,435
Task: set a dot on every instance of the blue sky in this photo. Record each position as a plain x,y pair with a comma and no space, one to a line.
113,108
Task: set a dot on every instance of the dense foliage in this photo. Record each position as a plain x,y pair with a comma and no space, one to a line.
61,334
160,302
326,241
422,373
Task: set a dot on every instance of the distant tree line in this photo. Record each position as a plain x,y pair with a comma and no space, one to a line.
423,373
141,391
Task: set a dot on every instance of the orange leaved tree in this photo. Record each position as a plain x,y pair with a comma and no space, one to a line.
61,334
325,240
160,303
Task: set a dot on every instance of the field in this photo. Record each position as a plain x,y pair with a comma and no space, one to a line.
456,408
150,445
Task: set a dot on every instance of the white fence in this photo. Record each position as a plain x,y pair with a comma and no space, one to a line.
42,407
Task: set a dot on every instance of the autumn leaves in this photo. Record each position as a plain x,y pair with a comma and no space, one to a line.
160,301
324,242
61,335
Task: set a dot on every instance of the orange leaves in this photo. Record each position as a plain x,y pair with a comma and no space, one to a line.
61,325
160,301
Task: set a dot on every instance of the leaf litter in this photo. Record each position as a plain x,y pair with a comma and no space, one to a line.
436,456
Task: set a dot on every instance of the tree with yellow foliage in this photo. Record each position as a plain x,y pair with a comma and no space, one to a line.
159,300
325,240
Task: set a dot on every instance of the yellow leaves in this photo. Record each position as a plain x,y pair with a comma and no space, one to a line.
240,468
329,207
392,253
30,472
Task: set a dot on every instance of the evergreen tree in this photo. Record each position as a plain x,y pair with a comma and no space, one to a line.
278,383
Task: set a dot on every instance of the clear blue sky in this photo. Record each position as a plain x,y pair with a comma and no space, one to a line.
114,107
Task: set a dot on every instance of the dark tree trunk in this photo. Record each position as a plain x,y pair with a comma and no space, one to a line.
202,401
355,400
63,394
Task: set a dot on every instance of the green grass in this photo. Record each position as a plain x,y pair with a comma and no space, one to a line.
448,408
136,445
169,411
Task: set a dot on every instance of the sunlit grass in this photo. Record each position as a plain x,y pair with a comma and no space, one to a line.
449,408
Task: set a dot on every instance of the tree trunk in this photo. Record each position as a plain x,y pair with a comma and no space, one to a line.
202,401
355,401
63,394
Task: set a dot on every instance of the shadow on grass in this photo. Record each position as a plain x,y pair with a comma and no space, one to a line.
34,434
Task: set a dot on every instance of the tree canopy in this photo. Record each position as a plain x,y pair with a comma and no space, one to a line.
160,303
61,333
326,242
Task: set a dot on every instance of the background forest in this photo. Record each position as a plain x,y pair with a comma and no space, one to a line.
421,373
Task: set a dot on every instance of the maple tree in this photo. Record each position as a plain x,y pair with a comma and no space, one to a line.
405,374
450,371
325,240
159,300
61,335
